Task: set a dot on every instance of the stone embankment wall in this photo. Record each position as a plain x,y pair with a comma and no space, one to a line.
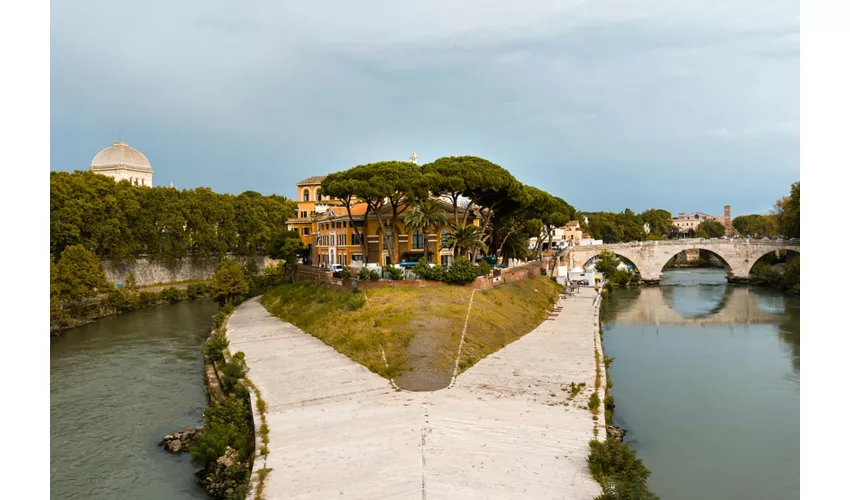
149,272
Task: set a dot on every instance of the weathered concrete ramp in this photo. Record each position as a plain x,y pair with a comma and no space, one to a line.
340,431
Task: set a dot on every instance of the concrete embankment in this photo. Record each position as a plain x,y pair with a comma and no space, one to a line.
506,429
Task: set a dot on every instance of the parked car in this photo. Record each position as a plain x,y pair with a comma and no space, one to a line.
336,268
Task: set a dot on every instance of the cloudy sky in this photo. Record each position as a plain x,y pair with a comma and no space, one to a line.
679,104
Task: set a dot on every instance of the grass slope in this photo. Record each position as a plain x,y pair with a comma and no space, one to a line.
419,328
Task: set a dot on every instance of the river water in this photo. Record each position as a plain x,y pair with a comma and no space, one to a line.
116,387
707,385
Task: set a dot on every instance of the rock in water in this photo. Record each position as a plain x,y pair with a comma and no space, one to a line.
174,446
180,441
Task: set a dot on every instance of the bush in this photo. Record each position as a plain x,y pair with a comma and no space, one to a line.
394,273
593,402
618,470
373,275
346,274
171,295
215,346
355,301
148,299
484,268
461,271
233,371
225,424
542,271
229,282
620,277
120,300
197,290
222,313
426,272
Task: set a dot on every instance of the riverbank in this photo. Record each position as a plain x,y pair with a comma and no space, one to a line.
123,300
336,428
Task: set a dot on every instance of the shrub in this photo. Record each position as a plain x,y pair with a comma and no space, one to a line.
355,301
171,295
394,273
363,274
426,272
233,371
484,268
225,424
148,299
121,300
222,313
620,277
197,290
373,275
618,470
346,274
593,402
215,346
542,271
461,271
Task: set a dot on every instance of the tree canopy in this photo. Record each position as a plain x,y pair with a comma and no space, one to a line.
119,221
756,225
787,211
710,228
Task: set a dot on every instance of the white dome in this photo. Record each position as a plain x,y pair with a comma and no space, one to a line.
120,155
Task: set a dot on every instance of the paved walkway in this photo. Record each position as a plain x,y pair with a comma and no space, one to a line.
338,430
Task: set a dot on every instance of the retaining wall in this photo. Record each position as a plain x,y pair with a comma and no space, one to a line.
150,272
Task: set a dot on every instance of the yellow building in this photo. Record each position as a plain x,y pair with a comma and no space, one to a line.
327,231
310,204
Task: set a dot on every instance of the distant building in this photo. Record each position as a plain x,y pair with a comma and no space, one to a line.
121,162
685,222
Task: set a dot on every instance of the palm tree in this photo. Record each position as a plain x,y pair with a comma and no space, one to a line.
464,238
423,216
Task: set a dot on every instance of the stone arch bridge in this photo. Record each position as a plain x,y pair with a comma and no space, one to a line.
650,257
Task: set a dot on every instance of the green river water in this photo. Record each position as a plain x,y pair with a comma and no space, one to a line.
116,387
707,385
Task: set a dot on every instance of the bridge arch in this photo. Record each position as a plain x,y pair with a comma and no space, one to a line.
765,257
724,263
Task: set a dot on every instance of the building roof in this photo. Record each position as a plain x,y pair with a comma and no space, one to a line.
312,181
573,223
120,155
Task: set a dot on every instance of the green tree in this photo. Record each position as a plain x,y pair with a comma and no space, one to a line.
755,225
389,188
660,222
787,211
287,247
344,187
79,274
606,263
424,216
464,238
710,228
228,282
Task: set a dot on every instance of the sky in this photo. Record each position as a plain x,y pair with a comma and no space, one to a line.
685,105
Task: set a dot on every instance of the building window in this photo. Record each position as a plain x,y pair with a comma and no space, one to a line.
356,239
417,240
387,236
305,231
357,258
318,196
445,260
306,195
303,214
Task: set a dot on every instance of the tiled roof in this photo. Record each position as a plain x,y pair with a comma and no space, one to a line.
312,181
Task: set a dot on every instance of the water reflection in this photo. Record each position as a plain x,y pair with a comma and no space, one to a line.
704,386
